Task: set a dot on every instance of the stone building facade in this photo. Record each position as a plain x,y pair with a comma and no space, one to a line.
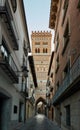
14,41
41,51
65,20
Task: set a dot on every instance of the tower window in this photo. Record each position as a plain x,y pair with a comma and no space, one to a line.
36,50
46,50
43,50
45,43
37,43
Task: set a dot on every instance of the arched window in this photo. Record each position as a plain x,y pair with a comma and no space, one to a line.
46,50
36,50
43,50
14,5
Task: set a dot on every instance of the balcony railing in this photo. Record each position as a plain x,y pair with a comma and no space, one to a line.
69,79
6,14
24,89
9,67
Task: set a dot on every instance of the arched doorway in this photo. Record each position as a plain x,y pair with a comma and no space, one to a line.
40,106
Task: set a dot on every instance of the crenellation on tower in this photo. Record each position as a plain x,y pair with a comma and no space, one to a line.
41,33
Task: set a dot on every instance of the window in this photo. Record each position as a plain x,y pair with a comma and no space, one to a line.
46,50
57,85
14,5
57,42
15,109
65,10
23,60
37,43
78,4
45,43
43,50
68,122
36,50
57,63
66,69
52,75
65,38
4,50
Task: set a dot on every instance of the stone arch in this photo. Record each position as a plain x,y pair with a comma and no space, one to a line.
40,99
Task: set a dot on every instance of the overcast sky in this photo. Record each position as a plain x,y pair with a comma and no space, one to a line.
37,15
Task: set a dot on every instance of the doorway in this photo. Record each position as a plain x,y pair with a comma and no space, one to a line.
4,112
21,112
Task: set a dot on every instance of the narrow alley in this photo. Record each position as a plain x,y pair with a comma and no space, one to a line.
39,64
39,122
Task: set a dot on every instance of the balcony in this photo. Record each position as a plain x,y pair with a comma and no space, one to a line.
70,84
25,93
6,15
9,67
24,90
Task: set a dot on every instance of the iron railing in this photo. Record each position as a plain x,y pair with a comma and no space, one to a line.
8,59
69,79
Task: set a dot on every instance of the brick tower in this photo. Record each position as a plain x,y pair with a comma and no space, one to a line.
41,50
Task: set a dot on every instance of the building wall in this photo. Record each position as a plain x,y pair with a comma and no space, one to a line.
70,54
74,102
13,99
72,49
42,41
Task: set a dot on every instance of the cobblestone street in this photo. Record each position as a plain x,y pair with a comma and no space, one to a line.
39,122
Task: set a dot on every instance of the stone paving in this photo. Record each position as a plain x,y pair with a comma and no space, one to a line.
39,122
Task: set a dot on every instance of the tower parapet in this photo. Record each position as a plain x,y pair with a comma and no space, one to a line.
42,33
